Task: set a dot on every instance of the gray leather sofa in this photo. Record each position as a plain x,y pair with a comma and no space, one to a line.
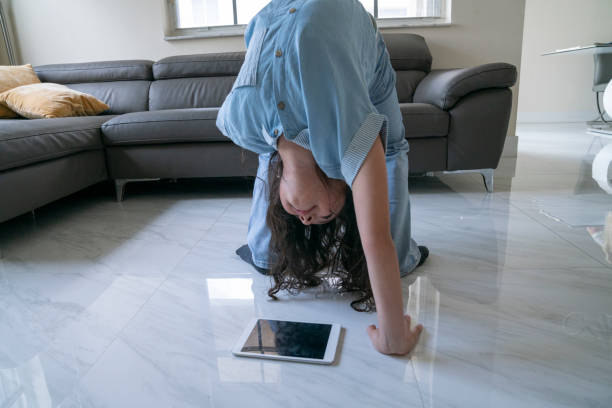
161,123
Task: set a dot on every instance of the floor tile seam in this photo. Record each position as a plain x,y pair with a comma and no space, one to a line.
115,338
550,268
416,381
166,277
207,229
121,331
527,174
216,220
496,200
589,256
541,363
202,238
213,224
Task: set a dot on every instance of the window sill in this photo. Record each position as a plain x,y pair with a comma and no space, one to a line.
413,22
206,32
238,30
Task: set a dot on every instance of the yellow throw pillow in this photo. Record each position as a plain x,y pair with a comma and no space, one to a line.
48,100
12,76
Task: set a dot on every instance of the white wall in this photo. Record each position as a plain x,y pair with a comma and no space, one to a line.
60,31
558,88
50,32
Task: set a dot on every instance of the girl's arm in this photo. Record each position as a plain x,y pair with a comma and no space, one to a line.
371,198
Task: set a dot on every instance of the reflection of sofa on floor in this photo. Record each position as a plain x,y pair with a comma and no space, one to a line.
161,123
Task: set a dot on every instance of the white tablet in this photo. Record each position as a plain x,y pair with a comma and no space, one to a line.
294,341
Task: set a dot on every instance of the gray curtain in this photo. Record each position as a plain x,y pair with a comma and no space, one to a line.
7,53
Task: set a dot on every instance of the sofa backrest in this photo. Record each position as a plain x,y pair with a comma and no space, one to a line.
411,59
194,81
123,85
203,80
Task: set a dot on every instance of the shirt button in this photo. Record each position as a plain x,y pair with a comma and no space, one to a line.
275,132
278,53
291,10
281,105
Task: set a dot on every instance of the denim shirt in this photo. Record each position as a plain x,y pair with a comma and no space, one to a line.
313,71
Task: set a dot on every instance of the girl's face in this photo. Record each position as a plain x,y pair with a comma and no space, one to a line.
311,196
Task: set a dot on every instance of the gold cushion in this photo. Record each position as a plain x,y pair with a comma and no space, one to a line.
48,100
12,76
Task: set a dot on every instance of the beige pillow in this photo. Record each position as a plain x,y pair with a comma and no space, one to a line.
12,76
48,100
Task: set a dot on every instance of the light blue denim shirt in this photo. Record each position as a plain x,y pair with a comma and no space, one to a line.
313,71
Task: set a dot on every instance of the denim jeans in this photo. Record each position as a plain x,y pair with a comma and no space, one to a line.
396,158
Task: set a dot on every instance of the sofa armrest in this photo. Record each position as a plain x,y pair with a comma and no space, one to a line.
444,87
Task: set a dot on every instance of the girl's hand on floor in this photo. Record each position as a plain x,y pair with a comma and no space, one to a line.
399,346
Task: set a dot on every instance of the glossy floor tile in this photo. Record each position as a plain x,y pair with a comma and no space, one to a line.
138,304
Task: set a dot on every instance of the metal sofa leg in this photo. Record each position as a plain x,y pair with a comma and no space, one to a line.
120,186
487,176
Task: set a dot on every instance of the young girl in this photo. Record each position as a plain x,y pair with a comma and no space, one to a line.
316,99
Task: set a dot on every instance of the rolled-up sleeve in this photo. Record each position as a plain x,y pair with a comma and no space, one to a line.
222,113
236,118
343,123
239,123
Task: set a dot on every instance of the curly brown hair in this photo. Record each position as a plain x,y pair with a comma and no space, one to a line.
307,255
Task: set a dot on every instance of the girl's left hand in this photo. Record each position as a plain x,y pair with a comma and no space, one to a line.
401,345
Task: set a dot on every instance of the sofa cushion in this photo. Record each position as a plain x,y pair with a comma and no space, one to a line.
12,77
27,141
120,96
445,87
406,82
408,51
123,85
424,120
49,100
99,71
177,93
199,65
163,126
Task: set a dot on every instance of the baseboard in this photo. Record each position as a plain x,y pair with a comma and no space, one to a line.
510,146
556,117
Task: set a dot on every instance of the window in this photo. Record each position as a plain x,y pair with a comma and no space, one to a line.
403,8
211,13
206,18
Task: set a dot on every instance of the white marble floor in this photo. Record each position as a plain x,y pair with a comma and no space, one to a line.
137,304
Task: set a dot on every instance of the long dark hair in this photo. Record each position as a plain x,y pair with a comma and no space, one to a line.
334,248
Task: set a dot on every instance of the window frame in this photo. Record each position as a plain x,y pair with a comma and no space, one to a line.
172,32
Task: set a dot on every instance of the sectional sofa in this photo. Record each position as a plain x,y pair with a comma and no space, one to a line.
161,123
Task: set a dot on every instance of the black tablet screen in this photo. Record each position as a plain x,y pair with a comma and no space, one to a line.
281,338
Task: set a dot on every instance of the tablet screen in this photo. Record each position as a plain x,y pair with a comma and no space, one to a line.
294,339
